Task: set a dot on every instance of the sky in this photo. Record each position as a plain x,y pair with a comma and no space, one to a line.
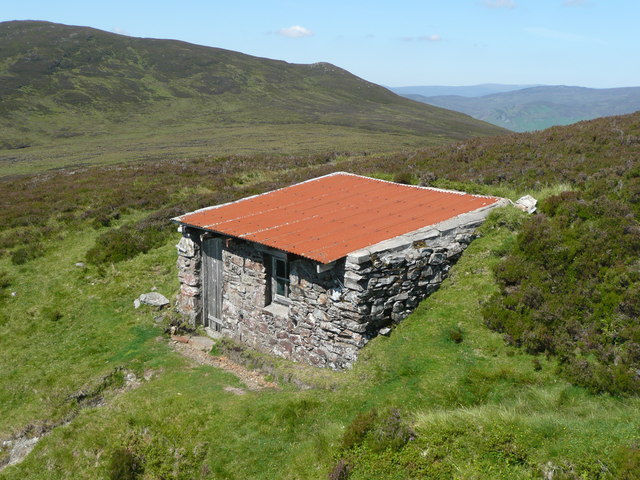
591,43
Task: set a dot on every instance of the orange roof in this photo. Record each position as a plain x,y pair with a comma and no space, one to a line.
331,216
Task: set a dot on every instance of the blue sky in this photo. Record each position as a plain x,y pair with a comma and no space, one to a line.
591,43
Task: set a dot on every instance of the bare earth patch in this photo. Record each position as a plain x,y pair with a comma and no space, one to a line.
191,347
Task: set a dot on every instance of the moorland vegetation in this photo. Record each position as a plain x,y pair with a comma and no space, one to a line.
76,95
522,365
551,392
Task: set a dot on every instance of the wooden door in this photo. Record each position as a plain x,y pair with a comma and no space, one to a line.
212,266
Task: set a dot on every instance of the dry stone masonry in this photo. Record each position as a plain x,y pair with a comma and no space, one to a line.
189,300
332,310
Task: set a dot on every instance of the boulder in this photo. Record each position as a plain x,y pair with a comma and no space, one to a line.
526,204
153,299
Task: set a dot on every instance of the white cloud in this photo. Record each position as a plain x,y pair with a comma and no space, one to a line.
120,31
424,38
295,31
430,38
499,3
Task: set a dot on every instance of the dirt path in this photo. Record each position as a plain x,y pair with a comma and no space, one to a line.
191,348
194,348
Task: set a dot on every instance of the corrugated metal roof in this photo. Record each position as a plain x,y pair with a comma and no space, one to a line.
331,216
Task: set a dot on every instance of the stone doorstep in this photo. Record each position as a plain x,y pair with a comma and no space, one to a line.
200,343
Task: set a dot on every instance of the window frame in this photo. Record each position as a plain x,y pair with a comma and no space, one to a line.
275,279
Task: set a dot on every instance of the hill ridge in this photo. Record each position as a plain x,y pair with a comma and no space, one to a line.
60,81
540,107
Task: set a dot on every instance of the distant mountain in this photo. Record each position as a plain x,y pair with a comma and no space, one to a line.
538,108
465,91
59,82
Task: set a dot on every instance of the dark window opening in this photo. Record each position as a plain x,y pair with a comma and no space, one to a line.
281,277
277,279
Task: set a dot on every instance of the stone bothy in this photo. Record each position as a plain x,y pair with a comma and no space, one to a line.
313,271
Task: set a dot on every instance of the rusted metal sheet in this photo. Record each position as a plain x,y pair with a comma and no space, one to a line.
329,217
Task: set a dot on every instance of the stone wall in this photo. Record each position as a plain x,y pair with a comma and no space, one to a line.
334,313
189,299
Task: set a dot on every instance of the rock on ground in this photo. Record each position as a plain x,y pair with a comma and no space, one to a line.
526,204
154,299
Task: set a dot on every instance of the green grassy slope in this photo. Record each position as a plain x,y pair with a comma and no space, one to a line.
453,400
476,409
538,108
163,97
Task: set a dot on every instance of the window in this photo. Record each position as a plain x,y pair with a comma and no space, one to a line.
281,277
278,279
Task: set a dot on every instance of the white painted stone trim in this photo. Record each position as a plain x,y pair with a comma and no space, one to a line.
465,220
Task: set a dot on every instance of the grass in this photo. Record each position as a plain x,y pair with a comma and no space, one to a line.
451,399
479,408
199,141
78,96
87,340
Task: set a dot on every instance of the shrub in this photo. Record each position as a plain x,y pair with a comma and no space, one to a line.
355,433
126,242
570,287
391,432
404,178
537,365
124,465
427,178
22,255
506,217
51,314
627,462
118,245
104,220
341,470
5,281
455,334
379,431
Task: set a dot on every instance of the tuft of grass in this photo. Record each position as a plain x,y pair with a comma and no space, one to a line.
340,471
22,255
124,465
627,462
455,334
51,314
357,430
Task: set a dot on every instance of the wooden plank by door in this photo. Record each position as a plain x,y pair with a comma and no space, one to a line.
212,265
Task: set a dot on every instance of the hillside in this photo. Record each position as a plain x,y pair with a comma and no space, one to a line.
79,95
462,91
538,108
98,384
